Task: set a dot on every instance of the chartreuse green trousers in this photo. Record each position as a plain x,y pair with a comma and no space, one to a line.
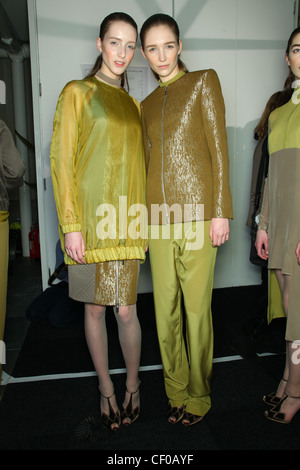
182,273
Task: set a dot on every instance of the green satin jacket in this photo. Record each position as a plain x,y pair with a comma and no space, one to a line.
98,169
186,146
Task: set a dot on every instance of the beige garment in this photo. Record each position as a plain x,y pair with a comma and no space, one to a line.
280,217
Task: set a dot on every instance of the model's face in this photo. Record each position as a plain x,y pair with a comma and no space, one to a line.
293,57
117,48
162,49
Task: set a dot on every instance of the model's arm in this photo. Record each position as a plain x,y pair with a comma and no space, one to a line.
298,252
213,112
64,148
262,240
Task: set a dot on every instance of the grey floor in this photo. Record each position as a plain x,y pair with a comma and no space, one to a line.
24,285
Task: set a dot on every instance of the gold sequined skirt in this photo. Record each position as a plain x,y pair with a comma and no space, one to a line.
107,283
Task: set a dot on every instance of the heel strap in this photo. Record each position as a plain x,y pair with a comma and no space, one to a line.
133,393
107,398
112,412
129,407
130,414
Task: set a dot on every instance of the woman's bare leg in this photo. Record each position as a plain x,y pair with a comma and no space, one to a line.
292,366
291,405
96,337
130,341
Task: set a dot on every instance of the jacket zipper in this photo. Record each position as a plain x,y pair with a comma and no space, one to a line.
162,154
117,286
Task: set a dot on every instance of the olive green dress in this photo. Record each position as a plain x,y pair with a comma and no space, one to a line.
280,214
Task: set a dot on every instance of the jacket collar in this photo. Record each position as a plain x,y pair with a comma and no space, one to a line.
179,75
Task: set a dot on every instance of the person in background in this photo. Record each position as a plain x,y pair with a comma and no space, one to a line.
187,170
266,312
12,170
97,158
279,232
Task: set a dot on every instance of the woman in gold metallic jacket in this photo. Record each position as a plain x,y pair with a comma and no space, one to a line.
189,207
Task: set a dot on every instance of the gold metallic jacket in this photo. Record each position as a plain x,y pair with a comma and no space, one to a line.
186,146
97,157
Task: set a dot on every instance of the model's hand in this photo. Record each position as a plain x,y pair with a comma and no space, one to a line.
75,247
298,252
219,231
262,244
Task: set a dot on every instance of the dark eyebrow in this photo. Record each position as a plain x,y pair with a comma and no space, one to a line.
119,39
166,43
295,45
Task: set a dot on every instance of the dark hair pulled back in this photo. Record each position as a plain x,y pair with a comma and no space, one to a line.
291,78
157,20
104,27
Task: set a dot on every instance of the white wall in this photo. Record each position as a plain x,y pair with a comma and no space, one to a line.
243,40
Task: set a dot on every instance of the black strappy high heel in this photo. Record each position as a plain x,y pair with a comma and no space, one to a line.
278,416
113,419
175,414
129,413
190,419
271,399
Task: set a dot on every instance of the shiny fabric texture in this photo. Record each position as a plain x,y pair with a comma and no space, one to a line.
281,203
107,283
186,145
96,157
179,273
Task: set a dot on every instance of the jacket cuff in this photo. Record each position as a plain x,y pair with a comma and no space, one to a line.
71,228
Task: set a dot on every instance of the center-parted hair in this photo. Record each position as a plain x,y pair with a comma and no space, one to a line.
160,19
